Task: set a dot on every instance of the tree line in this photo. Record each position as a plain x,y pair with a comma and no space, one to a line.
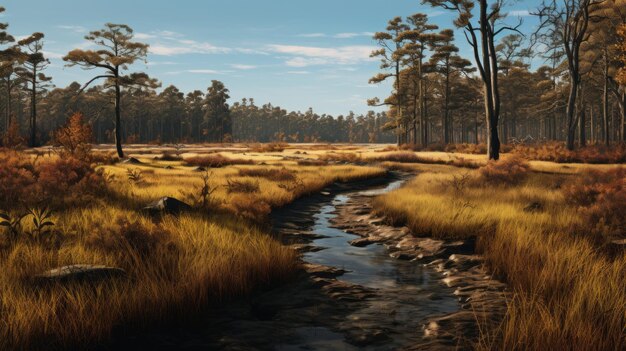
577,95
128,106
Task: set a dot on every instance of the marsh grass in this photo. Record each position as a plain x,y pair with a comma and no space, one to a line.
567,292
177,267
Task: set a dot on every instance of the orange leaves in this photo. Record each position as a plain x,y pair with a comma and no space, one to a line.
75,136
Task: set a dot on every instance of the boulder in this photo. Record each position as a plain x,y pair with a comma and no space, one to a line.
80,273
167,205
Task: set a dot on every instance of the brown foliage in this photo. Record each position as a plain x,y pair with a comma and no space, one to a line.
12,138
309,162
349,157
60,181
242,186
600,198
510,171
215,161
75,136
271,147
274,174
250,208
131,237
557,152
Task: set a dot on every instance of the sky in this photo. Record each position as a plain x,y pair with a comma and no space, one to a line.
293,53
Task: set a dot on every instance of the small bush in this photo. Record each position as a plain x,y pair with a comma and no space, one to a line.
278,175
242,186
310,162
166,156
215,161
74,137
250,208
475,149
271,147
509,171
401,156
557,152
600,198
130,237
349,157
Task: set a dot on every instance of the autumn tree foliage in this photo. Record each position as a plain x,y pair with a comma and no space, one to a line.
75,136
621,47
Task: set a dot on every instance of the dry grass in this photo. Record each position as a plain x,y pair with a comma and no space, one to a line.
215,161
177,267
568,293
557,152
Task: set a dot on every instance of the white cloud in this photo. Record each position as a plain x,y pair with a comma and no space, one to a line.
75,29
347,35
519,13
52,55
304,56
298,72
312,35
243,67
182,47
198,71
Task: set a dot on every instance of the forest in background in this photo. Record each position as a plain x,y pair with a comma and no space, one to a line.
438,97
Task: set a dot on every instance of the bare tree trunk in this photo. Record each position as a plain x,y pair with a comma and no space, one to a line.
118,118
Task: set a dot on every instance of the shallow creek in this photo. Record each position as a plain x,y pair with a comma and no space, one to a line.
347,298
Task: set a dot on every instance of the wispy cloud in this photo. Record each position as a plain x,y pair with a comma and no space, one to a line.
346,35
52,55
243,67
75,29
312,35
304,56
298,72
199,71
519,13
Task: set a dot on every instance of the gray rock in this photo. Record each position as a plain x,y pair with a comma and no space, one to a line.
80,273
167,205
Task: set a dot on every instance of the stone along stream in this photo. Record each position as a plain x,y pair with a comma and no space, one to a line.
351,295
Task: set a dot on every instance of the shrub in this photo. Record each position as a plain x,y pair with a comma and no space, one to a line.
349,157
600,198
557,152
278,175
75,136
60,181
401,156
12,137
310,162
242,186
17,179
130,237
271,147
509,171
250,208
166,156
475,149
215,161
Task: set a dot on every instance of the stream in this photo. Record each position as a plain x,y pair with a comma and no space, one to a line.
348,298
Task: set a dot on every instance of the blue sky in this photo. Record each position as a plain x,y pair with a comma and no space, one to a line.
293,53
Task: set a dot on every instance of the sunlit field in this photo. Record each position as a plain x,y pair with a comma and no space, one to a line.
562,272
557,254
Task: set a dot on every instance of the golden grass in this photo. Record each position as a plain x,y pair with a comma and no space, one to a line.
214,259
205,259
567,294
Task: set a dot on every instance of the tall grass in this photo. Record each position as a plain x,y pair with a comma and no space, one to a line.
206,260
568,294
